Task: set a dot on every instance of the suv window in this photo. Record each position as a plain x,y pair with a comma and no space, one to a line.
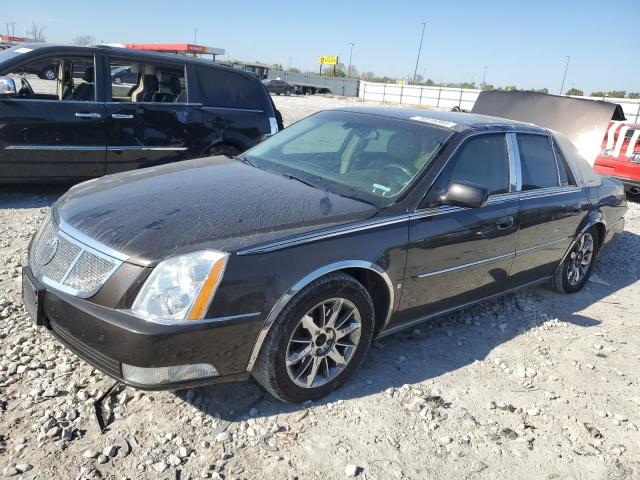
483,160
537,161
135,82
221,88
56,78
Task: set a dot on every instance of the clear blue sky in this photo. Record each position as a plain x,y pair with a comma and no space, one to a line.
520,42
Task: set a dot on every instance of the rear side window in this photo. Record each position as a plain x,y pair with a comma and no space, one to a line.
537,161
219,88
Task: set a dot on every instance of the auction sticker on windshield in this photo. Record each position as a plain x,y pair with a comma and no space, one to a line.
23,50
434,121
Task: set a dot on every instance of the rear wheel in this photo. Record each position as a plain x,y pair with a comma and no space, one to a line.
318,341
574,272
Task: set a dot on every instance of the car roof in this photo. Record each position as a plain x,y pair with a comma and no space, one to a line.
41,48
460,120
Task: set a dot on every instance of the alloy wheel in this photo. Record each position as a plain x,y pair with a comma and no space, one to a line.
323,342
580,259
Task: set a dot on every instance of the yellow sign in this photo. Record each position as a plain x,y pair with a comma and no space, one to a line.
324,60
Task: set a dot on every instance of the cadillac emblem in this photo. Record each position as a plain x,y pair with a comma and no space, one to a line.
47,252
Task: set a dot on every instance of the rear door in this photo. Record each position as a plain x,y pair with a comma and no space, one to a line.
237,110
459,255
149,118
552,206
47,132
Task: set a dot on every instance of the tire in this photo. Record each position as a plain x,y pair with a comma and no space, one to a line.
224,150
290,334
48,74
564,279
117,80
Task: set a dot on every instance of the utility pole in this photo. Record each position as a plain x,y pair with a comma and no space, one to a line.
195,36
484,78
566,67
350,56
415,71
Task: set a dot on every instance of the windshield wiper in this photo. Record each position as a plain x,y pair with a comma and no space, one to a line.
358,199
244,159
293,177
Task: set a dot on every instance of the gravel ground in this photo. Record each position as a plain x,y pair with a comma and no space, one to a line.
534,385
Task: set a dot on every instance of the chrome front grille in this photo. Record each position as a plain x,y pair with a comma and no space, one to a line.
66,264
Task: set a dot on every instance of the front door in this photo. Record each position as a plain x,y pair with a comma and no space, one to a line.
459,255
53,128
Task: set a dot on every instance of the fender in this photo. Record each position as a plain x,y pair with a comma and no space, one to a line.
306,280
594,217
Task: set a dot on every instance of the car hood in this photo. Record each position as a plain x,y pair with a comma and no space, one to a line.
215,202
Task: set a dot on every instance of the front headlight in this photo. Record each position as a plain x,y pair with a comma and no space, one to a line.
181,288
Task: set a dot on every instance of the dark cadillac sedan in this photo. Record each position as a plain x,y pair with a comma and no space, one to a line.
286,262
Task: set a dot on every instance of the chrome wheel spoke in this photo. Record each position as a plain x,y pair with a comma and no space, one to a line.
336,308
348,330
297,356
309,324
337,357
315,365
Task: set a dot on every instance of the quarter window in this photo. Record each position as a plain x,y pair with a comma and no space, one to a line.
483,160
566,178
538,162
224,88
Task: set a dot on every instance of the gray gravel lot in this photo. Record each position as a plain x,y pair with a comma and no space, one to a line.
534,385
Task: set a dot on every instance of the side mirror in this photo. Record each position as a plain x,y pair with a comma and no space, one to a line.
7,87
466,194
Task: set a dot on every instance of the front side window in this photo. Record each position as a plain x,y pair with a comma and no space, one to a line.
537,162
135,82
483,160
56,78
331,150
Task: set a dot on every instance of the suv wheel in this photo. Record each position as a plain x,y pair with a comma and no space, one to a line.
117,80
571,276
48,73
318,341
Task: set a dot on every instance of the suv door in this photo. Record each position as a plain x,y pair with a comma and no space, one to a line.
150,120
552,206
48,131
459,255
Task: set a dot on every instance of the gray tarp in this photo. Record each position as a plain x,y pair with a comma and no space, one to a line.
584,122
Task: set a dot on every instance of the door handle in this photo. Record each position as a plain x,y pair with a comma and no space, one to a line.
88,115
505,222
122,116
575,208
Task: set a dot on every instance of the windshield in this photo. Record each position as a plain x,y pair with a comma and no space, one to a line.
368,157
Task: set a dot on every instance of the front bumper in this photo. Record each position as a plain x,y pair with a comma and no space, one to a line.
107,338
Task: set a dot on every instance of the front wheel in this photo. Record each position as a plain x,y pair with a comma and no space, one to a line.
318,340
573,273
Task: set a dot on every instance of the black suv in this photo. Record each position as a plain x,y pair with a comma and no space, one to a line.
82,126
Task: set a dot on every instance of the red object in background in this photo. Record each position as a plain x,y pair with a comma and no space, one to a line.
167,47
620,155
